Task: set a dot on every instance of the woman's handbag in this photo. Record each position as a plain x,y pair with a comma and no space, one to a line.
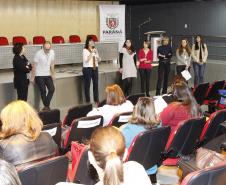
207,158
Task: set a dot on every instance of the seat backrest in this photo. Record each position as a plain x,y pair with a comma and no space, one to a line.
82,129
102,103
147,147
212,176
19,39
134,98
184,138
212,93
200,91
50,116
58,40
84,173
4,41
47,172
54,130
120,119
212,125
94,37
74,39
77,112
39,40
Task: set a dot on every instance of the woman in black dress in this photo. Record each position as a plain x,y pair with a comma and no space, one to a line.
21,67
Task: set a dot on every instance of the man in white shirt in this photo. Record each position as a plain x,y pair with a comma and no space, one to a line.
43,73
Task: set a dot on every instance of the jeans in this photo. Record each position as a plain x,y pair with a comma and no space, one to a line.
163,75
199,73
145,80
91,74
44,82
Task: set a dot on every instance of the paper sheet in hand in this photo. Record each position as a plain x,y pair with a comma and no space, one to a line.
160,104
186,74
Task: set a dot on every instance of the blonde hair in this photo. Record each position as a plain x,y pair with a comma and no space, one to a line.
108,146
144,113
18,117
115,95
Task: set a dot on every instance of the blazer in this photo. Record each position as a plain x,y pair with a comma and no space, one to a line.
17,149
21,67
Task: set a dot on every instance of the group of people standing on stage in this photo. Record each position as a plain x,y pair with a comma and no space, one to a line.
185,56
42,69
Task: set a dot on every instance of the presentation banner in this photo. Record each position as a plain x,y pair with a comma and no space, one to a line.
112,23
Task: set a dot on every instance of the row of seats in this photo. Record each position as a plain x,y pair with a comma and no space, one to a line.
41,39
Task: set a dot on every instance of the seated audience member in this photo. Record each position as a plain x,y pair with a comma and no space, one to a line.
8,175
21,139
184,107
115,103
107,151
143,118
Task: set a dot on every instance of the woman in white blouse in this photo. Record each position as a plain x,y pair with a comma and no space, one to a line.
115,103
183,55
90,69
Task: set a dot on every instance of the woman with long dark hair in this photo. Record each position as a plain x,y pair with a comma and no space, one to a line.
183,108
183,54
127,60
21,67
199,55
145,57
90,69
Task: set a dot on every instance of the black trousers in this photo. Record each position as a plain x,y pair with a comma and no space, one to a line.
145,75
91,74
163,75
127,86
44,82
22,91
180,68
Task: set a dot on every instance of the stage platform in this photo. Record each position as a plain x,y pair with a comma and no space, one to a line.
69,89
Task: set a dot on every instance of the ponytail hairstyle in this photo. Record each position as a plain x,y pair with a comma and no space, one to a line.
182,94
108,146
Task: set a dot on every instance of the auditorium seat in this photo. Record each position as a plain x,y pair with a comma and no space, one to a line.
199,92
182,140
120,119
212,126
212,95
212,176
76,112
58,40
94,37
39,40
19,39
54,129
74,39
147,147
81,130
4,41
50,116
46,172
85,172
134,98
